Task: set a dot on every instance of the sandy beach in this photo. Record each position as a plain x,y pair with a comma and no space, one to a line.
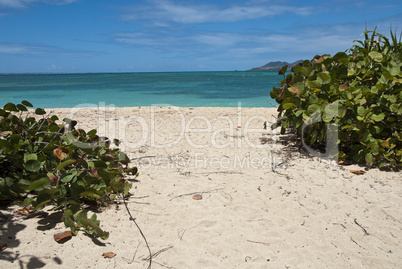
217,190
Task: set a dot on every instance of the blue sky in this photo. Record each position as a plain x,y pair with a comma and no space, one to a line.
68,36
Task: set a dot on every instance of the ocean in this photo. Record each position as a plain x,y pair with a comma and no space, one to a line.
183,89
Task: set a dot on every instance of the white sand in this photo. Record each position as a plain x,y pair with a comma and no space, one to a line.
264,205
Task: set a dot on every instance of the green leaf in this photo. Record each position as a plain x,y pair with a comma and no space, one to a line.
42,204
297,69
330,111
361,111
83,163
313,99
288,106
340,55
394,108
90,194
21,108
100,164
30,157
376,56
5,144
67,178
387,75
325,78
65,163
124,158
92,133
26,103
341,111
40,111
89,223
283,70
39,184
369,159
106,174
32,166
11,107
54,118
378,117
313,109
305,71
28,201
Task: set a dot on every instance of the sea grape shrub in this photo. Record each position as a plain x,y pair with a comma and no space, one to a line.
44,163
358,93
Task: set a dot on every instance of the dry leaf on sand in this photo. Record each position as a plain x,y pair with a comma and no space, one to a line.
357,172
62,237
109,255
197,197
29,213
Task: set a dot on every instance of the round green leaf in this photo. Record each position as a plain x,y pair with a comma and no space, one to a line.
324,77
376,56
288,106
378,117
54,118
11,107
26,103
312,109
361,111
369,159
40,111
394,108
30,156
21,107
32,165
330,111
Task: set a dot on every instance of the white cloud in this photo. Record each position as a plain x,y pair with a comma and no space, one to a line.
218,39
304,43
26,3
32,49
9,48
202,13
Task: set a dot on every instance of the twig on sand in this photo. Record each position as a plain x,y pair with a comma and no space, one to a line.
193,193
157,253
144,157
141,197
168,267
135,253
351,239
142,234
364,230
256,242
220,172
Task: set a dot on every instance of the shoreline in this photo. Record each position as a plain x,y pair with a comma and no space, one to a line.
264,203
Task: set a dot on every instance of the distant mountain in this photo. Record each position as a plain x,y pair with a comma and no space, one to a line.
275,66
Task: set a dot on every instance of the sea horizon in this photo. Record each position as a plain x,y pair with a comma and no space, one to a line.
126,72
132,89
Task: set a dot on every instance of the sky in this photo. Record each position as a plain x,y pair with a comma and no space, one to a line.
78,36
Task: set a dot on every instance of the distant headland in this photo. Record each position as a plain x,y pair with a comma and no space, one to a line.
275,66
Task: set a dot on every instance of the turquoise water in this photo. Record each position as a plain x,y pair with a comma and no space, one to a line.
184,89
